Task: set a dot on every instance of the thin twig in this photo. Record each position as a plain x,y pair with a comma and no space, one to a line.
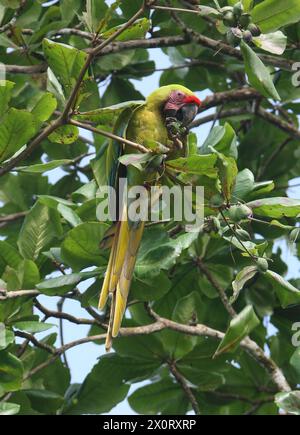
122,140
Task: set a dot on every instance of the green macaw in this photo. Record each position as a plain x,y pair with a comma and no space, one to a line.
163,119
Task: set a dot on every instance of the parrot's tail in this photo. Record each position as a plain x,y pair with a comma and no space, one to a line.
119,272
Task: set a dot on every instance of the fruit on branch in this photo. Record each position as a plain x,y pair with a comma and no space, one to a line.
239,212
254,29
262,265
247,36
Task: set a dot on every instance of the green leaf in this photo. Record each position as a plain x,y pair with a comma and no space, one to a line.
43,401
158,397
239,328
258,75
7,408
108,115
9,254
16,128
6,88
285,291
106,377
271,15
295,361
40,168
45,106
196,164
32,327
64,135
59,285
275,208
152,259
37,231
81,246
7,337
227,173
96,11
146,289
66,63
289,402
185,312
69,215
11,371
222,139
241,280
137,30
272,42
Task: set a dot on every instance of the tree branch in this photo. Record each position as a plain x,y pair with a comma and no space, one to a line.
184,385
122,140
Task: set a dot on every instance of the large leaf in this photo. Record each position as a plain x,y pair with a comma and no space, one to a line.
32,326
65,61
240,326
258,75
241,279
11,371
272,42
275,208
106,377
271,15
9,254
40,168
43,401
6,88
44,107
7,337
137,30
196,164
81,246
108,115
286,292
16,128
38,230
164,397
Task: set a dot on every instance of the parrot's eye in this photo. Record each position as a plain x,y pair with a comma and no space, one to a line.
187,113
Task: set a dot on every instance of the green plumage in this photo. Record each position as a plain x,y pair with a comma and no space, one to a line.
145,125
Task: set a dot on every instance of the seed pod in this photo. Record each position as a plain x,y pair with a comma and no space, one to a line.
262,265
245,20
232,40
247,36
244,235
215,223
254,29
229,19
238,9
239,212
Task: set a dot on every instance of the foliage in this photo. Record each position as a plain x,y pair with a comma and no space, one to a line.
51,237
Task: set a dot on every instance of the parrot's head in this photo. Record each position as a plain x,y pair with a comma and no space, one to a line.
176,101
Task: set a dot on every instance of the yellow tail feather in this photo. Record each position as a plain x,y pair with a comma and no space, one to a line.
124,282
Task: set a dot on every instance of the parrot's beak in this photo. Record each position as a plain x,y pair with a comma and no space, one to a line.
187,113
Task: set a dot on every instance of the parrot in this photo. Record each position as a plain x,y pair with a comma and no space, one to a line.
163,119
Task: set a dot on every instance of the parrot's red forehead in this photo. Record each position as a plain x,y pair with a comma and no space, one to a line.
190,99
